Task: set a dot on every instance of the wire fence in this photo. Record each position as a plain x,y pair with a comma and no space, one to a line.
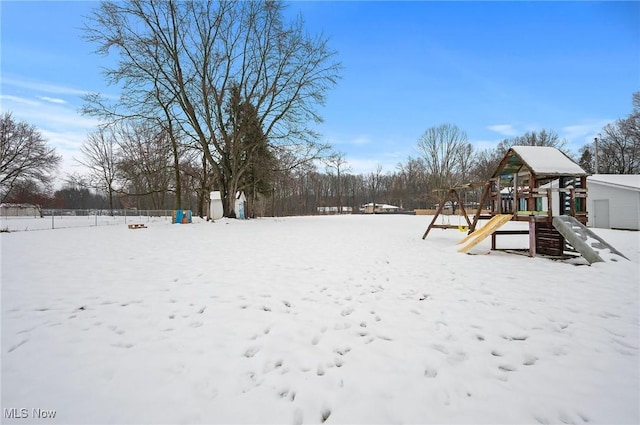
66,218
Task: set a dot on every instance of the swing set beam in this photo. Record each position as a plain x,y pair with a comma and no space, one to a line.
452,194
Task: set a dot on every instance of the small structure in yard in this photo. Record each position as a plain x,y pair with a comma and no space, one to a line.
181,217
614,201
452,202
239,206
542,186
135,226
216,210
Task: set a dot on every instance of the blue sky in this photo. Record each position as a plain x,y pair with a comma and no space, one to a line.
494,69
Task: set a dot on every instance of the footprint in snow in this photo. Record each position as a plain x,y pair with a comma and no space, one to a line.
430,373
13,348
342,351
251,351
347,311
324,415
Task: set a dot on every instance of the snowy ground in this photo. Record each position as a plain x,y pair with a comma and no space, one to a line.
351,319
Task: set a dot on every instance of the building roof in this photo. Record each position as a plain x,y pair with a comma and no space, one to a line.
626,181
384,206
543,161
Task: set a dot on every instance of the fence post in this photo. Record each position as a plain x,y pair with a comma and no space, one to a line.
53,213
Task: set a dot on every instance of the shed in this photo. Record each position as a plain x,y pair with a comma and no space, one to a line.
614,201
240,204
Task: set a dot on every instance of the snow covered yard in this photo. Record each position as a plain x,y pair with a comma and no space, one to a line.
343,319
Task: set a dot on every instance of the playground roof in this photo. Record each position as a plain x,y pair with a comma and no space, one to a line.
542,161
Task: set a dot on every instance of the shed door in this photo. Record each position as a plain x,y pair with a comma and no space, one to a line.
601,213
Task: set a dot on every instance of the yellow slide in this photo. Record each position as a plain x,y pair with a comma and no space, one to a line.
481,234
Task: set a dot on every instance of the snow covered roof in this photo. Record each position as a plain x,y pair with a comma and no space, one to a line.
384,206
540,160
627,181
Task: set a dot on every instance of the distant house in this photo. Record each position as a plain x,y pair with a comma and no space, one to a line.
371,208
20,210
334,210
614,201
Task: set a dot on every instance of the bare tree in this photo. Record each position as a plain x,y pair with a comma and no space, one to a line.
412,179
101,156
587,158
443,150
619,151
374,182
533,138
24,155
146,164
336,161
195,53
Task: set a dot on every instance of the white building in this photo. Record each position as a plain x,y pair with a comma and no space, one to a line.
614,201
20,210
371,208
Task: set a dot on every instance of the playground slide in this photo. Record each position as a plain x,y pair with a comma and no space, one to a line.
587,243
481,234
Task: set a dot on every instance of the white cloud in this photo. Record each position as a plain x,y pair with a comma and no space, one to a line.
484,144
52,99
62,125
505,129
576,131
580,134
41,87
359,140
18,100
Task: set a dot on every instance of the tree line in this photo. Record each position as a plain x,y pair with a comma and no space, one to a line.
223,96
132,166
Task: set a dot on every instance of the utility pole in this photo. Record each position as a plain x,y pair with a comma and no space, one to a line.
595,142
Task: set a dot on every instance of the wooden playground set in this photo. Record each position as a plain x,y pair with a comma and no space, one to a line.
535,184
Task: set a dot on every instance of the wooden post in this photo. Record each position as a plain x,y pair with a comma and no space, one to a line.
531,200
532,236
516,204
486,192
435,217
499,196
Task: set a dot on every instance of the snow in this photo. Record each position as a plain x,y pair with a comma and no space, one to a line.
545,160
629,181
348,319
